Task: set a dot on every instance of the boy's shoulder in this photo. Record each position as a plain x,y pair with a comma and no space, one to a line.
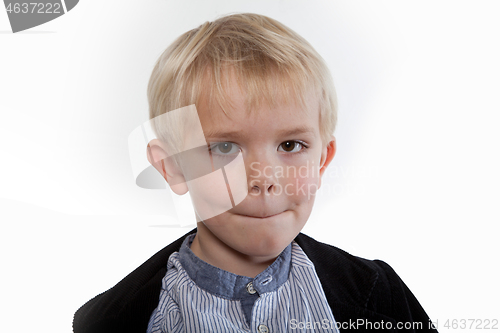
354,287
127,306
358,288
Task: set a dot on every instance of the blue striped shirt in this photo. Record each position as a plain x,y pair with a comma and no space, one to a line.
198,297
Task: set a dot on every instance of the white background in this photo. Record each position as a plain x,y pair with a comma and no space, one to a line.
415,180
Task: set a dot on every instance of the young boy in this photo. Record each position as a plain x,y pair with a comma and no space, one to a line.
248,132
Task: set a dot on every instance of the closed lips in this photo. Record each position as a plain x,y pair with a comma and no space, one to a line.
261,217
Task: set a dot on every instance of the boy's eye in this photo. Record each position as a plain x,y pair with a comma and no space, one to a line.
291,146
224,148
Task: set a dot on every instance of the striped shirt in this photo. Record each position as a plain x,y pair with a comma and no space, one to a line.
198,297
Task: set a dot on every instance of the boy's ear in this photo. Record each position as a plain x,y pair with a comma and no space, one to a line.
327,156
167,167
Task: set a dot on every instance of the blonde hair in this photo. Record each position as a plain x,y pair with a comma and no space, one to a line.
271,63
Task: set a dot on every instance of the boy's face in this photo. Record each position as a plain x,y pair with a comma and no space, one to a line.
283,157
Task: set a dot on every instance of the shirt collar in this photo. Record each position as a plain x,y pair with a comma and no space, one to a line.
229,285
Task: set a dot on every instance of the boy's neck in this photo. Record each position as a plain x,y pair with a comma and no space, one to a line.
212,250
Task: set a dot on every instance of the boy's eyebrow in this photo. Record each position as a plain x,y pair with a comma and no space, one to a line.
297,131
217,133
222,134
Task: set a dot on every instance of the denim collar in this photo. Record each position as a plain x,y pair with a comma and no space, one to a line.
231,286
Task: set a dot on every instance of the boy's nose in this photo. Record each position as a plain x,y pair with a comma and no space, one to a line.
261,173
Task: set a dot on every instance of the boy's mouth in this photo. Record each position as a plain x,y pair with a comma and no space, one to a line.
261,216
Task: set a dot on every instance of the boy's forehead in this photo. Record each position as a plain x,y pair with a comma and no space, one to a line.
238,115
238,124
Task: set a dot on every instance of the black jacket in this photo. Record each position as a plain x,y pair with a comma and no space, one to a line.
359,291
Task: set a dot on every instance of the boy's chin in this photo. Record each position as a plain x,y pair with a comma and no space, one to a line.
262,251
256,244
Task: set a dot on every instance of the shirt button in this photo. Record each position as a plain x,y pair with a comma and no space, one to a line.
263,329
251,290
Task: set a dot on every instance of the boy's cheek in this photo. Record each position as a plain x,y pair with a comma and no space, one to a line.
220,190
209,195
302,189
301,182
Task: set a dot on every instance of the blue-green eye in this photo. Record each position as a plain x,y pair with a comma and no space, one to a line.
291,146
224,148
